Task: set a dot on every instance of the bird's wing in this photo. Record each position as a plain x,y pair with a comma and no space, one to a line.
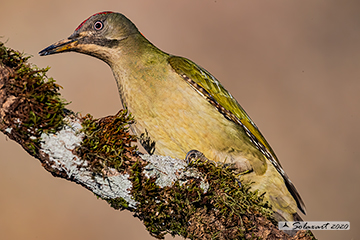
209,87
213,91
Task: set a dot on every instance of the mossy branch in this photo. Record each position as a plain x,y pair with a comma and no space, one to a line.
199,200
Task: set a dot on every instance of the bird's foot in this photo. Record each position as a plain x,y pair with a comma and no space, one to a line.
147,143
195,155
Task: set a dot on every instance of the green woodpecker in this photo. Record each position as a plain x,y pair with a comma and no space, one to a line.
180,106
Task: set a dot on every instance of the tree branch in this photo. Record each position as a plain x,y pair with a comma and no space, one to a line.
199,200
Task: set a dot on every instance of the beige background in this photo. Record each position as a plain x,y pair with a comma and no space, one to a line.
293,65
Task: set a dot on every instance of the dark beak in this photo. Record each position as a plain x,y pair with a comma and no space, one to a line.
64,45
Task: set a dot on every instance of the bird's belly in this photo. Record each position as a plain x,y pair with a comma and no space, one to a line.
180,119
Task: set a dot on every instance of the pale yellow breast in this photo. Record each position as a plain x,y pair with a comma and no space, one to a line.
179,119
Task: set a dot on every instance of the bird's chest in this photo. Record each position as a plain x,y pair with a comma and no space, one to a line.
172,118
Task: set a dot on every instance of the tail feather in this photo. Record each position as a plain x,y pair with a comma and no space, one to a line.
290,186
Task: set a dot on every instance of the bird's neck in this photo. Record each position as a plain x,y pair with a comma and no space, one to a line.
136,68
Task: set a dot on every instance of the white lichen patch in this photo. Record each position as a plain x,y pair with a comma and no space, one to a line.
204,186
168,170
111,187
163,168
59,148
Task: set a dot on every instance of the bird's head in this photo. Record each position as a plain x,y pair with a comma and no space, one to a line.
101,36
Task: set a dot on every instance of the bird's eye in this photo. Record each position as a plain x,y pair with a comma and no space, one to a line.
98,25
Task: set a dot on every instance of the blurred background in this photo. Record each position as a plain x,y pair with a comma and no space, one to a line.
293,65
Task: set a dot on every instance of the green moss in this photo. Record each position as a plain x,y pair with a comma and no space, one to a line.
37,108
107,142
117,203
187,211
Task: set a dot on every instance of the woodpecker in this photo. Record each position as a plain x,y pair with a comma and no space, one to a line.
179,106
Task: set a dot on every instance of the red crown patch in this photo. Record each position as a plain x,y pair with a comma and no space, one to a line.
81,24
